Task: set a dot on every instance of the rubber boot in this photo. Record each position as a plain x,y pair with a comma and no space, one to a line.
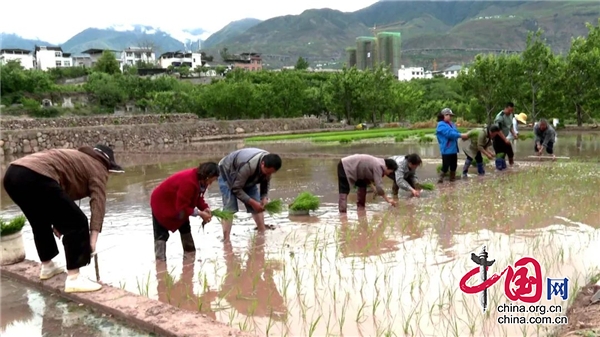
498,163
187,241
452,175
343,203
441,179
466,167
480,169
361,197
160,250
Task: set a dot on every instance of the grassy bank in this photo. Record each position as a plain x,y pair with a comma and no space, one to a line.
399,134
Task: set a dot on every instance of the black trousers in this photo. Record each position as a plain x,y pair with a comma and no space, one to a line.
45,204
343,185
478,157
449,163
162,234
501,147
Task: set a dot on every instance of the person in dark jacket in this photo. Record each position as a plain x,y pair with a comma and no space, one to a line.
447,136
45,186
545,136
175,200
241,172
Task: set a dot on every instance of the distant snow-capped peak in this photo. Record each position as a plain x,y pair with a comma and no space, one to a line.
185,35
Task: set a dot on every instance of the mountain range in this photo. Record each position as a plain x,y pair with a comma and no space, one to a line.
431,30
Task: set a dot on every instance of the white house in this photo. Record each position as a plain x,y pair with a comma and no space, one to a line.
178,58
132,55
407,74
22,55
452,72
51,57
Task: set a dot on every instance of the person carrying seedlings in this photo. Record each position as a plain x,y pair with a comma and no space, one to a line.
176,199
405,177
447,137
360,170
480,141
545,136
520,118
45,186
241,172
501,144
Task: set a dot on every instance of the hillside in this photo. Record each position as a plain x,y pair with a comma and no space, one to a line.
16,42
232,30
325,33
119,40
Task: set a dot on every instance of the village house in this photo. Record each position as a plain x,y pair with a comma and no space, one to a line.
95,54
452,72
409,73
47,57
132,55
22,55
179,58
247,61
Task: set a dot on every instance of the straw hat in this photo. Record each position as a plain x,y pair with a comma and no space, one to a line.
521,118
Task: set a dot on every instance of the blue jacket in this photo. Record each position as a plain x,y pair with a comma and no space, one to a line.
447,137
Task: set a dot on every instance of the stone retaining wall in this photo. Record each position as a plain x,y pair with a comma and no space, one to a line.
134,133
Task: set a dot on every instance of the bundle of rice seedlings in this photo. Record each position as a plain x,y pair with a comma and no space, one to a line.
305,201
438,169
274,207
223,215
474,134
499,155
427,186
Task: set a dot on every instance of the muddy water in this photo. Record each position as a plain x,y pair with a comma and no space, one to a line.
26,312
369,273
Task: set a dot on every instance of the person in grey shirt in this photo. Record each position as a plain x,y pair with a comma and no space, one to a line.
405,177
545,135
241,172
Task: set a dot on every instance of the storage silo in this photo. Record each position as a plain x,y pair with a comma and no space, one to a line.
389,48
351,57
366,52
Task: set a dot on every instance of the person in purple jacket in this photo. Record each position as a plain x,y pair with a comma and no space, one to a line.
447,136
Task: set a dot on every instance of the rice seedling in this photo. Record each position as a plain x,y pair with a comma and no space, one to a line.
305,201
499,155
274,206
13,226
223,214
427,186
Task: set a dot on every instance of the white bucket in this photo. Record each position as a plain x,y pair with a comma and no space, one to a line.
12,249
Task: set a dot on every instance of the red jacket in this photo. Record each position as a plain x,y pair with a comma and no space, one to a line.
174,200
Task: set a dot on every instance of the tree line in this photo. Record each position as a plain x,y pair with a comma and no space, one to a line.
540,84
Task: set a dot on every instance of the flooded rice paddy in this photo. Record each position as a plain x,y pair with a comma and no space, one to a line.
382,272
27,312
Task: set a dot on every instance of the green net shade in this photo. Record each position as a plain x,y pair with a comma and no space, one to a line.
351,57
366,52
388,46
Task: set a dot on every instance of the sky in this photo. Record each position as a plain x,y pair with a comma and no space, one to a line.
56,24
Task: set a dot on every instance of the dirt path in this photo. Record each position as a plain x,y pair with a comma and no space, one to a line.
584,319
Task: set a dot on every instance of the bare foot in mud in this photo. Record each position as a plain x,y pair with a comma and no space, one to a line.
271,227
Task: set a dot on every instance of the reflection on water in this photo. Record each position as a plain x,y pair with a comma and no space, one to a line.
26,312
385,270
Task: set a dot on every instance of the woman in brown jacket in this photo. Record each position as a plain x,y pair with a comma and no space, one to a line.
44,185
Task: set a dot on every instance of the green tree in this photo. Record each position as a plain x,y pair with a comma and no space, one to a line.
482,80
344,92
581,74
107,63
301,64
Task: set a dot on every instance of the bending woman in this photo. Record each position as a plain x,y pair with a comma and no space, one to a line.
478,146
175,200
